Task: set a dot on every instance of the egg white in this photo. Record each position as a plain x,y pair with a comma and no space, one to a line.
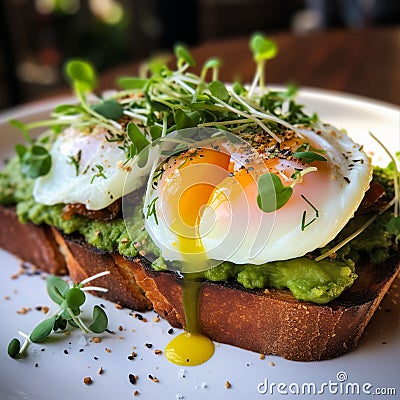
101,178
233,227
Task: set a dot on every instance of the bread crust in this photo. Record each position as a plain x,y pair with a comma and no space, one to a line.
264,321
84,260
31,243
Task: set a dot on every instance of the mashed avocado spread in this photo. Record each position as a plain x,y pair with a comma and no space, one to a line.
308,280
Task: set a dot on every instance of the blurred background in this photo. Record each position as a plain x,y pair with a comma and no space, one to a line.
38,36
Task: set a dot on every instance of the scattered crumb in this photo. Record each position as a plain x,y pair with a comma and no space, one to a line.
132,378
23,310
7,297
120,328
170,331
132,356
158,351
96,339
107,350
262,356
138,316
36,365
44,309
100,371
156,319
118,306
271,363
228,385
121,338
153,378
148,345
136,393
87,380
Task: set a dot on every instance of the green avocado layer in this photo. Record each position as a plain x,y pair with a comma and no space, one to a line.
308,280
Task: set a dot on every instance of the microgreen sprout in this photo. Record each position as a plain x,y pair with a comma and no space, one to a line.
160,101
263,49
214,64
273,194
183,57
70,299
309,154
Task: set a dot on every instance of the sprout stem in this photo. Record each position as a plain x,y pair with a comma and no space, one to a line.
94,288
91,278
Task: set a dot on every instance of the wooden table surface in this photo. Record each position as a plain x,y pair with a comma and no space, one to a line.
363,62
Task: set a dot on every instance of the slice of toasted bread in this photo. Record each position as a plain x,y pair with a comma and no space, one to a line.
267,322
264,321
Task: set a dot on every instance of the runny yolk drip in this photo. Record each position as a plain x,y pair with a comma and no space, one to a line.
198,177
190,347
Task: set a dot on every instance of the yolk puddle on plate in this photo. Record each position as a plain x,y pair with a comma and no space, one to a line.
190,347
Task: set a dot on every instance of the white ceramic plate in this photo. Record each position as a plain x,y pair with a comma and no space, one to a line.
55,369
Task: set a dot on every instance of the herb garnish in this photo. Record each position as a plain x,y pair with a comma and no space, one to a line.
99,174
308,154
75,161
303,219
151,210
70,300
